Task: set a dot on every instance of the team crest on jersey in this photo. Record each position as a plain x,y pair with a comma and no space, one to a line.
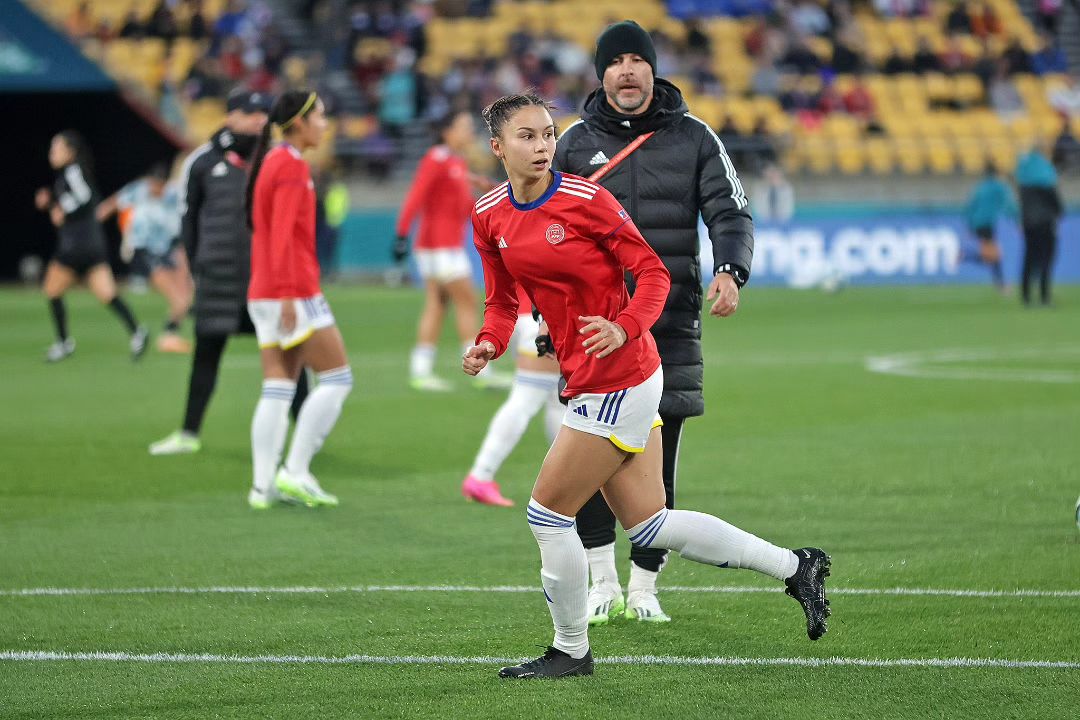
555,233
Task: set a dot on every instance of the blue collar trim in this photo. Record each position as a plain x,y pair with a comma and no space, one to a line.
540,200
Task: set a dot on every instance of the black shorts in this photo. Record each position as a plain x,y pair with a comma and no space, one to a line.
81,247
985,233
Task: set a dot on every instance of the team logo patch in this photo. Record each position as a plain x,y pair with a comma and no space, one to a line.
624,215
555,233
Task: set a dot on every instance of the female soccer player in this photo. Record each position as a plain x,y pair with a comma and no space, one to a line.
567,241
81,249
150,212
292,319
441,195
535,386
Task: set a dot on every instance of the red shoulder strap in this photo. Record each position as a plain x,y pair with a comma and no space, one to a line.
622,155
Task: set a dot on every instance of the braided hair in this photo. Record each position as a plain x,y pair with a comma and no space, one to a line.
497,113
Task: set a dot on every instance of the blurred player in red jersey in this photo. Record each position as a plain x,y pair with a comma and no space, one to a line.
292,319
441,197
567,241
535,386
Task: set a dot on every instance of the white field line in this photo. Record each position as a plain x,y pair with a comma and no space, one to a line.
333,590
929,364
944,663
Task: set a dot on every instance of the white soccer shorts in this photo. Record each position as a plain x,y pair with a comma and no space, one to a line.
625,417
312,313
443,265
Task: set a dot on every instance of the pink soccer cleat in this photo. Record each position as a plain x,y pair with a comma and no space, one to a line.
484,491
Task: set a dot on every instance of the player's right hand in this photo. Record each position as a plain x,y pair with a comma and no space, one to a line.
401,248
476,358
42,198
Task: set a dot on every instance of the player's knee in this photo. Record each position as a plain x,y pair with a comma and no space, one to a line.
339,378
644,533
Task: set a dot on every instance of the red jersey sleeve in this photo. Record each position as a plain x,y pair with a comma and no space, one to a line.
287,195
617,232
501,292
427,175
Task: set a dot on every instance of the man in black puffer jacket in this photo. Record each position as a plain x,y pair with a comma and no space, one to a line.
214,234
679,172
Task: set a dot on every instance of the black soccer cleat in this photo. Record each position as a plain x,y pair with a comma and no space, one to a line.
552,664
807,586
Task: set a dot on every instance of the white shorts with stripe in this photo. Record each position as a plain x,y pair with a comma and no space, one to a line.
524,337
312,313
443,265
625,417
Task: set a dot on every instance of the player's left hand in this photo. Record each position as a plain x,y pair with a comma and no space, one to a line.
726,292
606,336
56,215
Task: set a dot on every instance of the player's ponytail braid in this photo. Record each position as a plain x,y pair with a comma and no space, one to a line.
497,113
287,109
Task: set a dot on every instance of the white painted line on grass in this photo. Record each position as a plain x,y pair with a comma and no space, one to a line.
945,663
929,364
334,590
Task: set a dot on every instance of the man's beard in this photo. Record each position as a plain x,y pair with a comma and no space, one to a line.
629,107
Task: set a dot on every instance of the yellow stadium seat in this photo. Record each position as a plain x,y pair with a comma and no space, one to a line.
910,155
850,157
940,157
880,156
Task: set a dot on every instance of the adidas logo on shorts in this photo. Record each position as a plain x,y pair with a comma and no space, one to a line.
580,410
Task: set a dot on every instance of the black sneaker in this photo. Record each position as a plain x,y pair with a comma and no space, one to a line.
807,586
552,664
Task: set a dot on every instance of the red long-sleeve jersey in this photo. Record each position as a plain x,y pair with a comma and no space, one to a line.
283,260
568,248
441,196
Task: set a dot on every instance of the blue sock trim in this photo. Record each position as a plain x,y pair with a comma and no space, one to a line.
646,534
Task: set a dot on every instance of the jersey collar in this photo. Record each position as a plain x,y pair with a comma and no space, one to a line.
540,200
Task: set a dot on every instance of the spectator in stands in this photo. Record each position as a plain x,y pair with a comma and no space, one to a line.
162,23
205,79
132,28
953,58
197,28
958,21
1050,59
1049,14
766,79
1018,58
800,58
925,60
859,103
847,51
1066,98
1004,97
986,66
896,64
231,22
772,198
697,41
985,22
807,17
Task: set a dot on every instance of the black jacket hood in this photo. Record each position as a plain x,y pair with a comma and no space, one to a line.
666,108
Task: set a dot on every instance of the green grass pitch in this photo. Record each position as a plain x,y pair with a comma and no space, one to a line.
958,473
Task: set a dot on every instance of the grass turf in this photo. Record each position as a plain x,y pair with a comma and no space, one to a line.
907,482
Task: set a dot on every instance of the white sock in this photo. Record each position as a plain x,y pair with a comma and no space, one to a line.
602,565
564,573
641,580
526,397
709,540
554,412
317,417
268,429
422,361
